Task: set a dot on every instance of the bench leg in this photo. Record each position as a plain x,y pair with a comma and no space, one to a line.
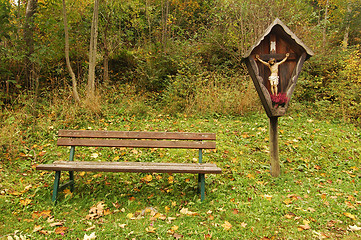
56,185
71,180
201,177
201,185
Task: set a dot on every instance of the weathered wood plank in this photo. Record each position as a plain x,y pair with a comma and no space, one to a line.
135,143
136,135
145,167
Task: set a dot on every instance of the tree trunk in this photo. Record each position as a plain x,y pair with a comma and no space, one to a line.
93,51
106,52
324,37
347,30
31,77
67,59
165,13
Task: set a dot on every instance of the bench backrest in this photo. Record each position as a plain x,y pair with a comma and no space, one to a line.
136,139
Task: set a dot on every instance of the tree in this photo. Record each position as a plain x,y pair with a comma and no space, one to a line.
93,51
31,75
70,69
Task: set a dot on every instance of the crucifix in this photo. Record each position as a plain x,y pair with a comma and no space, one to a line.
274,64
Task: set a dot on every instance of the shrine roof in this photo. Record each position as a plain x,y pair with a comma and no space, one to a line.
287,33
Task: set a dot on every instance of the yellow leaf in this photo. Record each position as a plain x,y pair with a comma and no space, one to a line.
250,176
226,225
166,208
116,158
150,229
287,201
130,215
268,197
67,192
148,178
170,179
349,215
25,201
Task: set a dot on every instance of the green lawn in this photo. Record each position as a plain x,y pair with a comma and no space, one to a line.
317,195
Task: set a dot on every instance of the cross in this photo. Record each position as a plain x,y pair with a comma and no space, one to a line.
273,54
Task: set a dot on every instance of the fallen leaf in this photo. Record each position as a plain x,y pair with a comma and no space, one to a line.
250,176
96,211
311,209
268,197
148,178
170,179
94,155
90,237
226,225
287,201
44,214
243,224
150,229
56,224
349,215
187,212
304,227
37,228
25,201
89,228
42,153
122,225
177,235
354,228
61,230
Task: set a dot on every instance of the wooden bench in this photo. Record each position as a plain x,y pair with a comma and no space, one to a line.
75,138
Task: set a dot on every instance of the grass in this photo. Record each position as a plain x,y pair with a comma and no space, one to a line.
317,195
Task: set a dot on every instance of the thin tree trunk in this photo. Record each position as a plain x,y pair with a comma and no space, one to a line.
324,37
165,12
106,52
93,50
67,59
347,30
29,42
148,19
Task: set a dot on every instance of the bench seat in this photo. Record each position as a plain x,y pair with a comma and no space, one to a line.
143,167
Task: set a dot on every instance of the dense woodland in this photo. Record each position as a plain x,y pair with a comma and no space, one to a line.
174,55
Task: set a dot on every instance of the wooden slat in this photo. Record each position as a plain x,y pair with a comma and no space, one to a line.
136,135
145,167
135,143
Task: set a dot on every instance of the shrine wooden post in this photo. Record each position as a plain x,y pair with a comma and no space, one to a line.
280,47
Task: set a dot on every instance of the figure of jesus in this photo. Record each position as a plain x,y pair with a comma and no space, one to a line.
273,66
